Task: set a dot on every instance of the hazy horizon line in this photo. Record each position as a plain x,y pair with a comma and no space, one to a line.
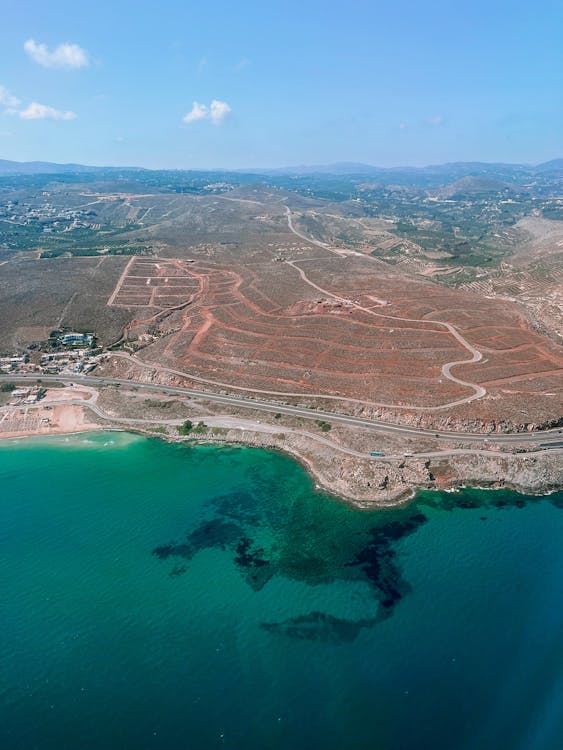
269,168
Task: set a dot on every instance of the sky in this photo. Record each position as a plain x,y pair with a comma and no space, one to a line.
185,84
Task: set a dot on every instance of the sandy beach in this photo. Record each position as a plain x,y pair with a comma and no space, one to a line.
58,419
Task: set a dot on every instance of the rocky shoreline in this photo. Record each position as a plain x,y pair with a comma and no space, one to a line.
370,485
365,468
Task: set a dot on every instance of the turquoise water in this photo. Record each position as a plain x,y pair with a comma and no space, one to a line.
161,596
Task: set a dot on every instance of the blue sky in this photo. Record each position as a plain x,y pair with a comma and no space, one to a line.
275,84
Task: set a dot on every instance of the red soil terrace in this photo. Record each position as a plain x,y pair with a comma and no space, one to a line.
341,327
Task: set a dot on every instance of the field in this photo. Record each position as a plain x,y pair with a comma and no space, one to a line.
39,295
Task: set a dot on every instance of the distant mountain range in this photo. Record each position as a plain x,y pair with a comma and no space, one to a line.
432,175
47,167
357,168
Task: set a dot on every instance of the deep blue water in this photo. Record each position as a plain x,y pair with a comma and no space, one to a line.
161,596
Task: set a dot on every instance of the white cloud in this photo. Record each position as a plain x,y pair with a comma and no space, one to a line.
11,105
36,111
197,112
215,112
64,56
218,111
7,99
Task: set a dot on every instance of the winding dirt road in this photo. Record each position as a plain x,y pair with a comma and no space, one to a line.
476,356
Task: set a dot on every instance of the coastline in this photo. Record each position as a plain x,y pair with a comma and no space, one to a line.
52,419
396,497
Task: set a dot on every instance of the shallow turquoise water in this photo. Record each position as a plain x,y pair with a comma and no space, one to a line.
160,596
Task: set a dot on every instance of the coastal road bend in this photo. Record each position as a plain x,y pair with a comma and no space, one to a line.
253,425
552,438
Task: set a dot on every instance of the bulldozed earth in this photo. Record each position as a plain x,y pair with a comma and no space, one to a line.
239,296
259,293
335,327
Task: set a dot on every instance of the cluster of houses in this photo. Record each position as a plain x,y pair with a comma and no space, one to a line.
26,396
77,360
74,354
13,364
50,218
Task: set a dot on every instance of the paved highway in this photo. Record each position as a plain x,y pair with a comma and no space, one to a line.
253,425
552,439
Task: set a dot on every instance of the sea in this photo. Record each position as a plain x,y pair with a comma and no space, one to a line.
158,595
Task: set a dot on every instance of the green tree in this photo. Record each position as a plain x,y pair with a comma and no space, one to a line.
186,427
